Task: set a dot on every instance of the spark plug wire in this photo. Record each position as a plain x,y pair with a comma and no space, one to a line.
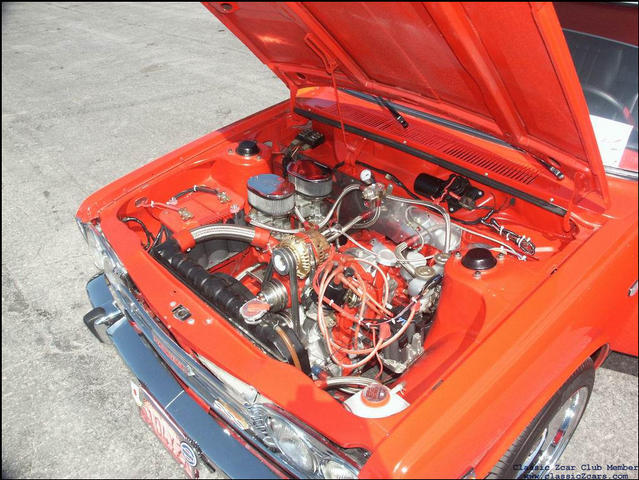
323,277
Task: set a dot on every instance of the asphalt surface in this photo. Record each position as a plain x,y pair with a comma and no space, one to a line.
90,92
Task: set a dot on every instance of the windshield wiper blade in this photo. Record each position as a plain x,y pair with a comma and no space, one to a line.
396,115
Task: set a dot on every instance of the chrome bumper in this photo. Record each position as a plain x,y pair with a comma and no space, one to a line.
105,313
218,446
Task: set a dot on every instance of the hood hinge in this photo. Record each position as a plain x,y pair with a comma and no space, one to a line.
580,189
330,64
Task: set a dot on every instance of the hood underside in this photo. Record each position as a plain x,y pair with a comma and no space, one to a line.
502,68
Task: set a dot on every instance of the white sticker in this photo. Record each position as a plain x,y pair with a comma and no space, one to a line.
135,391
612,137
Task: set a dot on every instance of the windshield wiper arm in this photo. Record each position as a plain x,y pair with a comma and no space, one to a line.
547,165
396,115
551,168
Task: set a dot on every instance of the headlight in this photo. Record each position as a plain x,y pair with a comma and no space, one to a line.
309,455
291,444
95,246
117,276
95,242
298,449
333,469
106,260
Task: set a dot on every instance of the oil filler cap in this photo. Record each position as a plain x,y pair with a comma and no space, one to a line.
247,148
479,259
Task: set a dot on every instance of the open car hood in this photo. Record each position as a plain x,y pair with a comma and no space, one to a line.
502,68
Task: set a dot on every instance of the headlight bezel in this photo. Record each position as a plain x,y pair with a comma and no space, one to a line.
321,448
105,259
93,237
256,410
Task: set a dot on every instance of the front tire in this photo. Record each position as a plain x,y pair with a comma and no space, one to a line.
540,445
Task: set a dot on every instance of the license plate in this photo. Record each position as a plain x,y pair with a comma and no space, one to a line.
167,432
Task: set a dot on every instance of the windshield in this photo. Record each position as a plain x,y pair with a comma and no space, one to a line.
607,71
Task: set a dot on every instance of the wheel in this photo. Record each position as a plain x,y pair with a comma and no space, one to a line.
543,441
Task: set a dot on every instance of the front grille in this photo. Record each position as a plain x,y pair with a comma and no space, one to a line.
203,383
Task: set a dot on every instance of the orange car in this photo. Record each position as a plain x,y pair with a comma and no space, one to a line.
411,268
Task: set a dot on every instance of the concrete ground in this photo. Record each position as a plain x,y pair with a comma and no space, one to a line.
90,92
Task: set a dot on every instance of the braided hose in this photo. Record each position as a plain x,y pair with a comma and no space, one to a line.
331,382
346,191
229,232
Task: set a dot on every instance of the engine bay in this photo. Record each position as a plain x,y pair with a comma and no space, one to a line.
339,275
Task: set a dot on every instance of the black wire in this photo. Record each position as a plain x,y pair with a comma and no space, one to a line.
477,220
149,236
196,188
163,231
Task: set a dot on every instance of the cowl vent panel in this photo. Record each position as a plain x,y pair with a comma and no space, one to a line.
435,142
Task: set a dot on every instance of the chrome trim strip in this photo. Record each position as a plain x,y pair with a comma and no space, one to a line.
621,173
216,442
632,291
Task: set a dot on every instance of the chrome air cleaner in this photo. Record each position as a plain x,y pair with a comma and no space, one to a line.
310,178
271,194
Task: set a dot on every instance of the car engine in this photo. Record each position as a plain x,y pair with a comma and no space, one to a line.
333,274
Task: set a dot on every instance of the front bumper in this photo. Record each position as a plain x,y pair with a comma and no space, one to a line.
218,446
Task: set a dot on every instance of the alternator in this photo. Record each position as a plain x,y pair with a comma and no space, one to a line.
308,252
